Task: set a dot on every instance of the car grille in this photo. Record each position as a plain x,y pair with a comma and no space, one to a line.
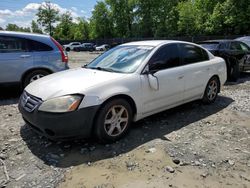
29,102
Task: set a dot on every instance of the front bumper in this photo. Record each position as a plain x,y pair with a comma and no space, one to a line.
60,126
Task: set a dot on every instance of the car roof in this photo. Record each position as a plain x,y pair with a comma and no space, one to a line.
153,42
243,38
217,41
24,34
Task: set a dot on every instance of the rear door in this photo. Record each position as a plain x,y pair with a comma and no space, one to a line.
196,67
43,54
15,58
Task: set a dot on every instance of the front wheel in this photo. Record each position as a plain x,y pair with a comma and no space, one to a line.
113,120
211,91
33,76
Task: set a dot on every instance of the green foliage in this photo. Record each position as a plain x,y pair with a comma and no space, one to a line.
188,18
63,29
146,18
14,27
47,16
35,27
101,22
121,13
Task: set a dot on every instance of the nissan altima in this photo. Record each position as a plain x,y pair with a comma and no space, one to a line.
123,85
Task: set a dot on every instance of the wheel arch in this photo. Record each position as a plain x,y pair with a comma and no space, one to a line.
34,69
126,97
216,76
118,96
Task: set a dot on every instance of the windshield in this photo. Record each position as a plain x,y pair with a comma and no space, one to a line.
210,46
124,59
246,42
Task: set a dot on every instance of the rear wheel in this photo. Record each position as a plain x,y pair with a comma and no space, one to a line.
67,49
33,76
211,91
113,120
234,72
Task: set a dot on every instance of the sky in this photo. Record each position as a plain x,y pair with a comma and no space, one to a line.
22,12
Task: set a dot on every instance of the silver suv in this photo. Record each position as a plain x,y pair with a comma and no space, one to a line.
26,57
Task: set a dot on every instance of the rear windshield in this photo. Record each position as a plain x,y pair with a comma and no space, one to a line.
210,45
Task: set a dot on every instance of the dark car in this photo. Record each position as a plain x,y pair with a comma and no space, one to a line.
235,53
85,47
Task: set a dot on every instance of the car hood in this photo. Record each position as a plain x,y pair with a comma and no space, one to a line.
73,81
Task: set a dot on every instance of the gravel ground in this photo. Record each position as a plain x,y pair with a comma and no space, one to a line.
193,145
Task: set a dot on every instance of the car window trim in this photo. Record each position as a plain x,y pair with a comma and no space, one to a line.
182,58
18,38
177,44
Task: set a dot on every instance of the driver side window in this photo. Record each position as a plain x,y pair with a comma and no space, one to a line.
166,57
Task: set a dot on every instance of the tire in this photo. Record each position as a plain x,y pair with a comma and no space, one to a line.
34,75
235,71
117,125
67,49
211,91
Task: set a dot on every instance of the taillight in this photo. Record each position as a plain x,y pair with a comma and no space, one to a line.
59,46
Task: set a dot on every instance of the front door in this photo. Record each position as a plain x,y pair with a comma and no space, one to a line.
165,67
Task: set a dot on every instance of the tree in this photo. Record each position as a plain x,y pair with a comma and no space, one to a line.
63,29
100,21
231,17
47,16
188,14
122,16
81,30
14,27
35,27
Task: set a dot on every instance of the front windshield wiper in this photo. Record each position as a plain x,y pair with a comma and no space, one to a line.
101,68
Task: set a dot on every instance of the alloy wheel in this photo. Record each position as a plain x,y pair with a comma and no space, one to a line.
36,77
212,90
116,120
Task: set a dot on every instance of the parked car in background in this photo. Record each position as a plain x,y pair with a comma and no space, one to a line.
71,46
245,39
235,53
103,47
26,57
85,47
125,84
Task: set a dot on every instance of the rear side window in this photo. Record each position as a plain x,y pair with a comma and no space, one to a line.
35,46
166,57
193,54
12,44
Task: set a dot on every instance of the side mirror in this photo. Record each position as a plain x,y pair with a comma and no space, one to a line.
153,82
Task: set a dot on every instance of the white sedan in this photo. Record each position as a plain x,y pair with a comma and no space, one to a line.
123,85
103,47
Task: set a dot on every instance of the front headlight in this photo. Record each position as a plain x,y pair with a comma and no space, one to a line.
61,104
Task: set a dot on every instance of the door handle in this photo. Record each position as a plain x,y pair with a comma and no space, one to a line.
24,56
180,77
